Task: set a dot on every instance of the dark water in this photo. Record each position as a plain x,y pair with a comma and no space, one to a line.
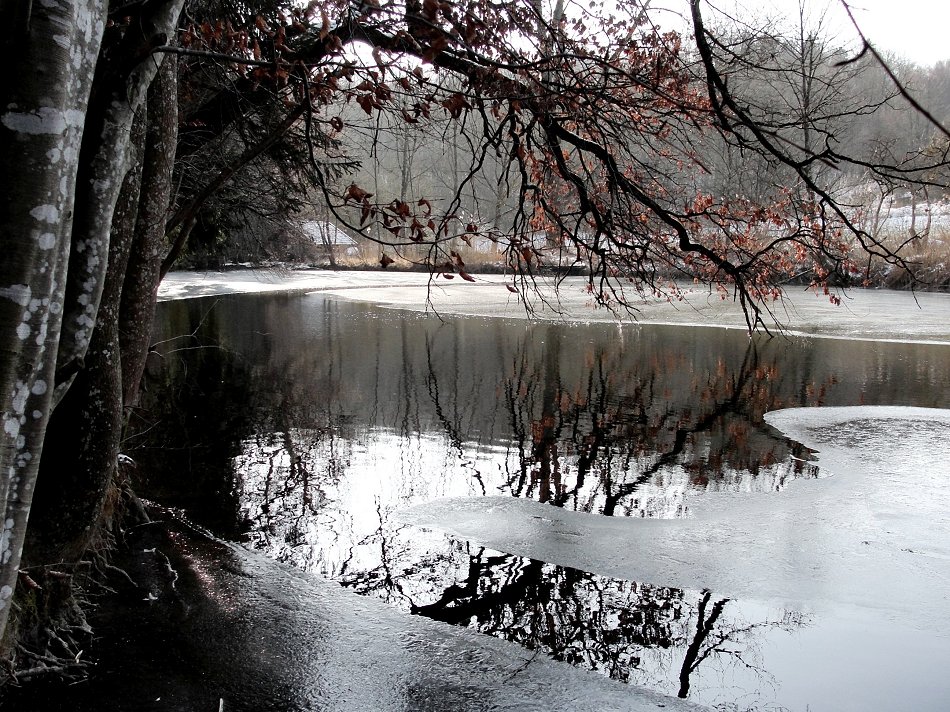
300,426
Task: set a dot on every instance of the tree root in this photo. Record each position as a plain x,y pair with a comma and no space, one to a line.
65,664
48,632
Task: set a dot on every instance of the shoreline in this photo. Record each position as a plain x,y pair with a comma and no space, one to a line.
864,314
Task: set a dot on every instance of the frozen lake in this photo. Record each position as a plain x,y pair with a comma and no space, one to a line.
749,524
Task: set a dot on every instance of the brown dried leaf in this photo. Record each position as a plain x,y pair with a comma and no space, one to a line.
354,192
367,102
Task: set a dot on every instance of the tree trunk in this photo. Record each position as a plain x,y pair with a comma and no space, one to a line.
68,146
49,63
87,425
140,292
122,77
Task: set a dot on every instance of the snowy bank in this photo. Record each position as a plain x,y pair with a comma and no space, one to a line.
864,314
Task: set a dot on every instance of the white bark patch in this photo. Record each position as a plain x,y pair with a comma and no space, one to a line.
45,120
46,213
47,241
17,293
39,387
23,331
41,336
11,426
5,540
20,395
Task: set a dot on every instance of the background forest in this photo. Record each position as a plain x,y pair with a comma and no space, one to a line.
791,71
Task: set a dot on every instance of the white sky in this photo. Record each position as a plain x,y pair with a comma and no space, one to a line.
918,30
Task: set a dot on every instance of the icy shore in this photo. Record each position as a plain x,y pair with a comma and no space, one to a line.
863,314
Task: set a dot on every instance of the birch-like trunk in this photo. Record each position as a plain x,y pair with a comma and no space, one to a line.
50,62
75,476
65,159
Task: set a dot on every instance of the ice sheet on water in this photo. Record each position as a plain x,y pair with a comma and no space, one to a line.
880,523
862,552
339,651
864,313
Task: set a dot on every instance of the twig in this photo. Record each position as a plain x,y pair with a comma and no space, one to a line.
869,48
167,49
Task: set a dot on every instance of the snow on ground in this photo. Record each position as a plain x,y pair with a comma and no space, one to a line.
863,314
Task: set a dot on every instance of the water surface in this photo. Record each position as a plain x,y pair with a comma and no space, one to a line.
302,426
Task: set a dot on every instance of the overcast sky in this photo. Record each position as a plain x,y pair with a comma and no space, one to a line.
916,29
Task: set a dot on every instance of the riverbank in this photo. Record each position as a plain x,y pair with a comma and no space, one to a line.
879,315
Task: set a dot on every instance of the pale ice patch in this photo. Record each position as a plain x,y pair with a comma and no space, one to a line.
880,523
325,648
873,429
883,315
864,552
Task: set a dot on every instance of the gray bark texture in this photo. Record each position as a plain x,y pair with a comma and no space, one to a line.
86,425
66,152
140,291
43,102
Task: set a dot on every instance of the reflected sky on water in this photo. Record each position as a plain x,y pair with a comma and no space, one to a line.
300,425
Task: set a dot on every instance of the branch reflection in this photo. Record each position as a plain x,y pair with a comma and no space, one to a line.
303,425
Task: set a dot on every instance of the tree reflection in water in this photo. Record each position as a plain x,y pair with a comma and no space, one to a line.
633,632
345,415
635,447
